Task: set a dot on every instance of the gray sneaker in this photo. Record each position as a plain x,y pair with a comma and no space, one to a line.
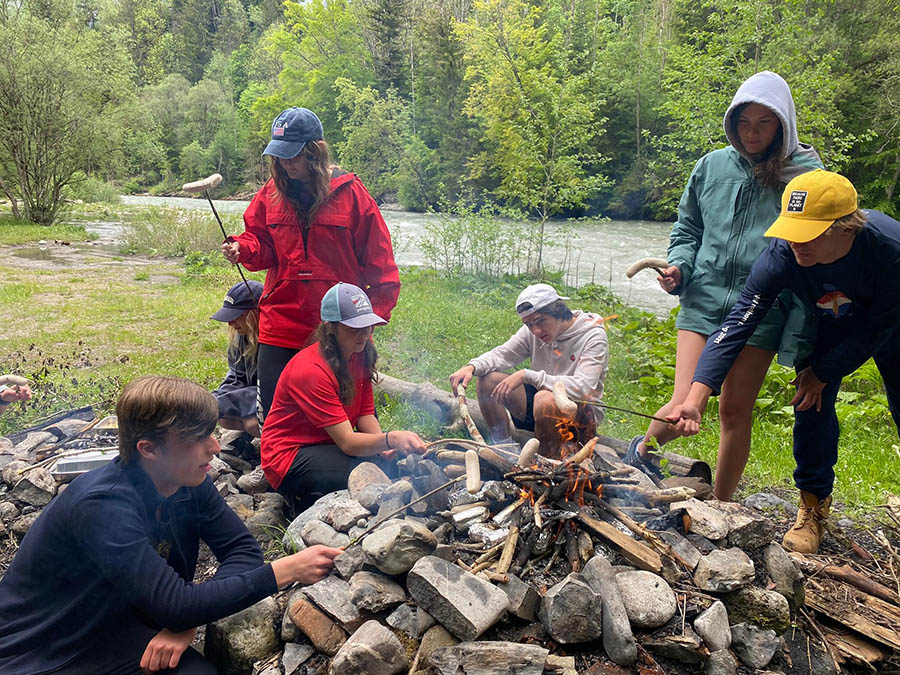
254,482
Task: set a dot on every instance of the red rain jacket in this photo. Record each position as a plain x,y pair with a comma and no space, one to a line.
347,241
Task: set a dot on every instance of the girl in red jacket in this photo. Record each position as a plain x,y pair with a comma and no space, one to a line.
309,226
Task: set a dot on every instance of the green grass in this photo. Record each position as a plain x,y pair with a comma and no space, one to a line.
80,334
14,232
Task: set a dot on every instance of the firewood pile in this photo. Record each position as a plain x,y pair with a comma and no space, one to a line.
495,559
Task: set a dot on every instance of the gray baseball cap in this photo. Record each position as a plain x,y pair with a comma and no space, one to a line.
349,305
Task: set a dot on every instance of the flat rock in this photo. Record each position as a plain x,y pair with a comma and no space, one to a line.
11,474
766,609
404,619
705,520
371,650
345,513
371,496
365,474
334,597
524,601
32,441
687,648
461,602
682,547
375,592
784,574
721,571
489,658
649,600
326,635
295,656
618,640
434,638
768,503
238,641
747,528
292,540
754,646
571,611
242,466
712,625
316,532
36,487
8,512
349,562
396,546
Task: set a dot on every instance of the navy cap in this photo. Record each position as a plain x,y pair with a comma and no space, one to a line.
349,305
238,300
290,132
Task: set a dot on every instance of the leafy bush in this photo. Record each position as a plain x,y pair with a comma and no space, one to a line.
92,190
174,232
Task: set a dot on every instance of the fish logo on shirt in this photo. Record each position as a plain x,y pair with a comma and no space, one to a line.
834,303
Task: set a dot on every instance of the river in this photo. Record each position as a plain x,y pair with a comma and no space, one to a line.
598,250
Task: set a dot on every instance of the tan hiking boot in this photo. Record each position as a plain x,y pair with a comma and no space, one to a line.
806,534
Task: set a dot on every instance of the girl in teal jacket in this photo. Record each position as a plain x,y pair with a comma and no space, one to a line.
731,198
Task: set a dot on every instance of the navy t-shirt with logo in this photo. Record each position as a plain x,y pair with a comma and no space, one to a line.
856,301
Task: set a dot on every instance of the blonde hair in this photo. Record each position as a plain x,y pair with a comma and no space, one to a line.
234,338
852,222
320,168
151,406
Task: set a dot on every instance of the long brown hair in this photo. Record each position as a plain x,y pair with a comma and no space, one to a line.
326,337
767,169
252,346
320,168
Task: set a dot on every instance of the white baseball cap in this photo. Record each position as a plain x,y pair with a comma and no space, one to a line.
536,297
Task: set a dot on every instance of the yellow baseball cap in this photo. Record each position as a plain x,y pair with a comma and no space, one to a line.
811,203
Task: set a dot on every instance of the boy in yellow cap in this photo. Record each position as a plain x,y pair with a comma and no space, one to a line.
843,262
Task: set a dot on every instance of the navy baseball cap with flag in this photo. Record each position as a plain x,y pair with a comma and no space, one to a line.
241,297
291,131
349,305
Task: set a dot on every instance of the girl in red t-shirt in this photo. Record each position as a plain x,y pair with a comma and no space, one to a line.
322,422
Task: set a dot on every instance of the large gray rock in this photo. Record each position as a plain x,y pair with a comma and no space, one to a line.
769,503
334,597
370,496
766,609
754,646
374,592
266,522
396,546
571,612
317,532
32,441
712,625
371,650
434,638
461,602
236,642
724,570
349,562
618,640
682,547
293,540
345,513
524,601
489,658
295,655
366,473
747,528
705,520
649,601
784,573
36,487
404,618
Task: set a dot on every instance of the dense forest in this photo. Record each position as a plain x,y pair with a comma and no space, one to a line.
552,107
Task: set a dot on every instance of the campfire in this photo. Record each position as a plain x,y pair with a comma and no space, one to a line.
498,559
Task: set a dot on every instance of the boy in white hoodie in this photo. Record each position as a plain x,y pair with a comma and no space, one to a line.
564,345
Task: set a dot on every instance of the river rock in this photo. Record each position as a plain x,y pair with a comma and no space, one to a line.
371,496
396,546
724,570
712,625
349,562
265,523
334,597
489,658
32,441
571,611
36,487
317,532
705,520
345,513
371,650
754,646
784,574
461,602
322,631
747,528
618,640
11,474
295,656
236,642
649,601
721,663
293,540
766,609
22,524
682,547
434,638
767,503
374,592
524,601
403,619
8,512
366,473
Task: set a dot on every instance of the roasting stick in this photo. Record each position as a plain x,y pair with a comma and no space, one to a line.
464,413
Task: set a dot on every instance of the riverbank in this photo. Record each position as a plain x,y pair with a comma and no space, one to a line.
81,320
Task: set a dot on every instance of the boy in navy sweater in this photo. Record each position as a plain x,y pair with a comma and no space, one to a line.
102,582
844,264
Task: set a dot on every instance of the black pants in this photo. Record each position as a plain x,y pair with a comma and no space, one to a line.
816,434
320,469
270,362
120,652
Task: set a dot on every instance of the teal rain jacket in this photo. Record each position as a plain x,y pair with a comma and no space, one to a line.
722,216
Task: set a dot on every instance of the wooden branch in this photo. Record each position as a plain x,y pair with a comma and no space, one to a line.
467,418
509,549
650,537
847,608
637,553
846,574
652,497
